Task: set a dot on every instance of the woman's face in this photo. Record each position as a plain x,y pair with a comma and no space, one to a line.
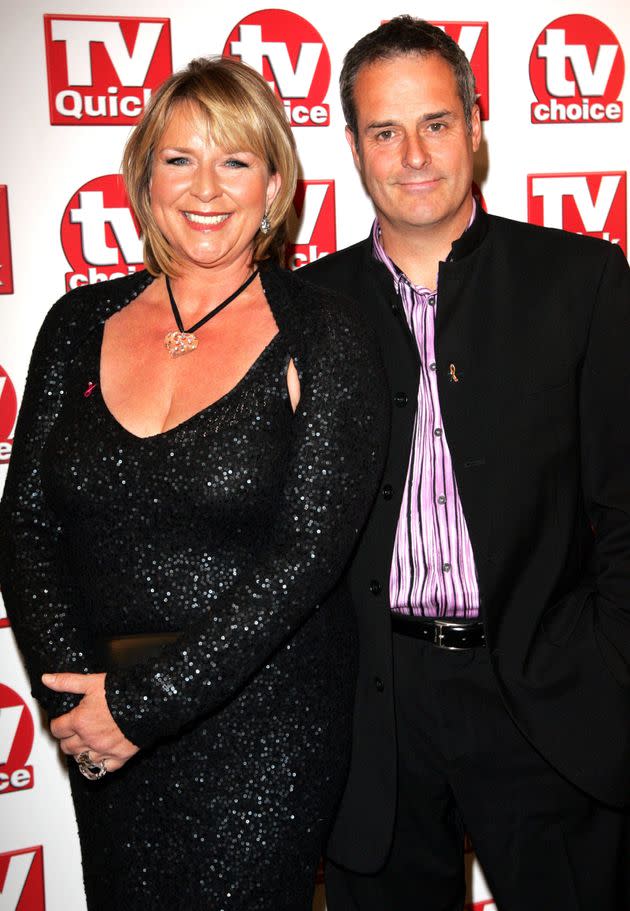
207,202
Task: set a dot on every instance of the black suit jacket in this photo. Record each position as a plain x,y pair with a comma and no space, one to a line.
537,323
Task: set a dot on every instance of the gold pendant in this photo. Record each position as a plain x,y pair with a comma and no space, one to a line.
178,343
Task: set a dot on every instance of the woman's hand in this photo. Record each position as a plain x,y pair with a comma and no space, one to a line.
89,727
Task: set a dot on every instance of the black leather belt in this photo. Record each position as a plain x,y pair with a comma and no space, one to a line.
443,633
123,651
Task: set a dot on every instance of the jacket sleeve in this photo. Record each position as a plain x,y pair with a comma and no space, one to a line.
337,449
605,452
38,597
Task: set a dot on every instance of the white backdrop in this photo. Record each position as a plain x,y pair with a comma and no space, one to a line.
553,87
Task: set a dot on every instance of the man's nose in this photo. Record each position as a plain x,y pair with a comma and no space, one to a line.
415,152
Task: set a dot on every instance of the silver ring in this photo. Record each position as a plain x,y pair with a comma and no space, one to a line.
90,770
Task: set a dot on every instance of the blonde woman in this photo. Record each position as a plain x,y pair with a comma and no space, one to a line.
197,449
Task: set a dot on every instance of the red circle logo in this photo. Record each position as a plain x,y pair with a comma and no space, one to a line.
576,69
291,55
99,233
16,730
8,406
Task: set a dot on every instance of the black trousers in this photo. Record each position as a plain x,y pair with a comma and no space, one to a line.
464,766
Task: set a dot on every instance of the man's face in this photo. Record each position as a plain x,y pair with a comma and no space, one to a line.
414,150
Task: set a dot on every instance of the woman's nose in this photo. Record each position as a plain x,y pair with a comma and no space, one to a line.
205,184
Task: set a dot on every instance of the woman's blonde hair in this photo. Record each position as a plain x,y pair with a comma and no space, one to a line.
242,114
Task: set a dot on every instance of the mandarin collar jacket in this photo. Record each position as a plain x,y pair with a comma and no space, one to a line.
537,322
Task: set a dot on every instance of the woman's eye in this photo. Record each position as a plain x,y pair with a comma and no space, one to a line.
235,163
180,160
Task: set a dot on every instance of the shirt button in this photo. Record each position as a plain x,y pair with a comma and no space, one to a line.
395,309
446,567
375,587
441,498
438,431
378,683
401,399
431,302
433,366
388,492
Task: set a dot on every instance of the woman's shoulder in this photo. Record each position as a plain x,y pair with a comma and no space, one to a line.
82,308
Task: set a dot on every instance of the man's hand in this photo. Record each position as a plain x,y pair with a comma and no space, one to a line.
89,727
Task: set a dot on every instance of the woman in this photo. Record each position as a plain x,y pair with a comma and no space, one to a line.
197,448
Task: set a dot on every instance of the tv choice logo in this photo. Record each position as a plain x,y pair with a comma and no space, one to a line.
102,69
292,56
8,414
16,742
22,880
472,37
593,204
99,233
576,69
6,266
312,227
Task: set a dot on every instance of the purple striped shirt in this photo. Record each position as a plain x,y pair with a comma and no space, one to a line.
433,568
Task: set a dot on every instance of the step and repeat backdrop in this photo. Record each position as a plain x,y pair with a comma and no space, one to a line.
75,77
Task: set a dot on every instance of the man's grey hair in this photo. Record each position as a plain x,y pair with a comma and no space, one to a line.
402,36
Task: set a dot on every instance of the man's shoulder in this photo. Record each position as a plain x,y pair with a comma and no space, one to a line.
338,269
536,240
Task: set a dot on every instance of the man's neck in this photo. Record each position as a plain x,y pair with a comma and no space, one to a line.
419,251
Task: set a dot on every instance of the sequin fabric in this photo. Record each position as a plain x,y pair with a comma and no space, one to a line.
235,527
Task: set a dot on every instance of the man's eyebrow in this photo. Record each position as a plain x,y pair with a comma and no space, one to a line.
436,115
380,124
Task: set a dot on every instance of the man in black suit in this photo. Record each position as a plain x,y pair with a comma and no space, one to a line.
492,582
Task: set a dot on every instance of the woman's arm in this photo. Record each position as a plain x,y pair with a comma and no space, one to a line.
37,591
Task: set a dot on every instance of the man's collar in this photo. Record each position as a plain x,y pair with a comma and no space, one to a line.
469,240
472,236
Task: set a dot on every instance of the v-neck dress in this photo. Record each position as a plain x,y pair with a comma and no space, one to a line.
231,529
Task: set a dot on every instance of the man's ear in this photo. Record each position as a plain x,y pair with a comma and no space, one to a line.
475,127
353,148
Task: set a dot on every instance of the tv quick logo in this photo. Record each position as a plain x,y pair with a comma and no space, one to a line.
16,742
576,69
472,37
290,53
22,880
8,415
592,204
99,233
312,230
102,69
6,266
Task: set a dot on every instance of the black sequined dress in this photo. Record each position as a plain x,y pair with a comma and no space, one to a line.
233,527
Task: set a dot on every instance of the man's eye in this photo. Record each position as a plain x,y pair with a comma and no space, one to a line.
385,135
436,127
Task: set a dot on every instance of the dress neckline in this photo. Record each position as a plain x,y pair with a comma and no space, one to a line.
223,399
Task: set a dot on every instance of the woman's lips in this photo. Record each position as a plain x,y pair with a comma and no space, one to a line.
202,221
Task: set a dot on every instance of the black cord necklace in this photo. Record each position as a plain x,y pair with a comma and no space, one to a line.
181,340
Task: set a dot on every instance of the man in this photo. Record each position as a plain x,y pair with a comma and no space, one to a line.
492,582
